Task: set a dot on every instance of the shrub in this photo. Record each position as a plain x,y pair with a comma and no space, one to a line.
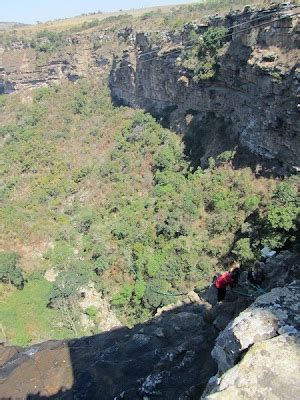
280,220
91,24
80,174
91,312
242,250
226,156
86,219
68,282
124,295
48,41
204,56
61,255
10,272
251,203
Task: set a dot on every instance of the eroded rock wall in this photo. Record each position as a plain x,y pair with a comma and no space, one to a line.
80,55
251,103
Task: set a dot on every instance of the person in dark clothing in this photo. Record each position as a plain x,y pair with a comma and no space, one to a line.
257,276
230,278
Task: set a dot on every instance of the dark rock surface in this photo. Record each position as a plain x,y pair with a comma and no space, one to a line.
167,358
252,103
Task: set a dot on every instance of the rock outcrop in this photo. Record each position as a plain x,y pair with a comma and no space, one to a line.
79,56
258,352
266,337
268,371
251,105
178,354
167,358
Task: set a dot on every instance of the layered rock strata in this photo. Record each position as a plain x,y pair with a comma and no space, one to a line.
251,104
80,56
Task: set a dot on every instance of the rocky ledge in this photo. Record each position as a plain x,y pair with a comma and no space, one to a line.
167,358
181,353
258,353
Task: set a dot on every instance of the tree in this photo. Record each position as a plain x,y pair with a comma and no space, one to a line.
10,272
242,250
69,313
68,282
282,216
205,53
226,156
124,295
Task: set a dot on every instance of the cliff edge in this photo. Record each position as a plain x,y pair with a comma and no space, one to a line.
179,352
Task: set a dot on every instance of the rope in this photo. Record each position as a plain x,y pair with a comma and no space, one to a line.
257,288
242,293
168,293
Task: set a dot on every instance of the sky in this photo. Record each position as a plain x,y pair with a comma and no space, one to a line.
31,11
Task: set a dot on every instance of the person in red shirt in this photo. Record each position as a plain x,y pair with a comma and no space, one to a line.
228,278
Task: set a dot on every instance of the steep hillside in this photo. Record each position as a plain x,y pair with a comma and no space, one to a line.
37,55
102,201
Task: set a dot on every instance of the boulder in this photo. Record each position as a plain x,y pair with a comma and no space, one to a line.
268,371
258,352
262,320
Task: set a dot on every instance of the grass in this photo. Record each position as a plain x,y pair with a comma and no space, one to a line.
68,23
24,316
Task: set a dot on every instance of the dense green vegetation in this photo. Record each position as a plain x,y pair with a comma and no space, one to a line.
105,195
10,272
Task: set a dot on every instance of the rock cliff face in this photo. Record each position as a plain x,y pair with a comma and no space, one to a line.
174,355
251,103
81,55
268,371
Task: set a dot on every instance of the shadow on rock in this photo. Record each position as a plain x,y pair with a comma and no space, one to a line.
168,357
